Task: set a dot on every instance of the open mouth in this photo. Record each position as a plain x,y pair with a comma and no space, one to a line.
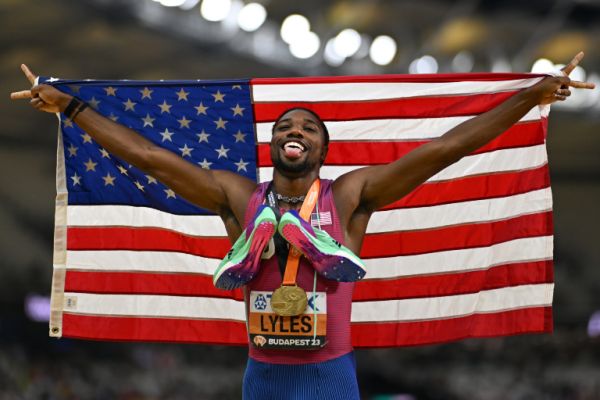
293,149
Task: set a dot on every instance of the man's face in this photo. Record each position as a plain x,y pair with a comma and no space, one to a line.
297,145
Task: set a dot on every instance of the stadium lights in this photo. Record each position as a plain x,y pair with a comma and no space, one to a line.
542,65
331,57
171,3
251,17
501,65
189,4
306,45
463,62
347,42
383,50
215,10
294,26
424,65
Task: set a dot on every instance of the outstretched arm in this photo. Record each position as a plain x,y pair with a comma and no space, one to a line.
375,187
223,192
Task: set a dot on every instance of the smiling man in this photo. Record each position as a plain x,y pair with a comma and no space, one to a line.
300,345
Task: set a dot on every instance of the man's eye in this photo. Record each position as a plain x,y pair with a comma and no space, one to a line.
282,127
309,129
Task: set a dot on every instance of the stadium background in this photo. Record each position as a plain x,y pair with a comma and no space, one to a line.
142,39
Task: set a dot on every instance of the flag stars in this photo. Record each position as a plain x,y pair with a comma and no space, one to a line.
165,107
205,164
186,151
170,193
75,88
122,169
90,165
104,153
166,135
72,150
129,105
146,93
203,136
182,95
240,137
241,165
222,151
76,179
184,122
220,123
219,96
94,103
237,110
113,117
68,123
148,121
237,87
86,138
109,180
151,179
139,185
110,91
201,109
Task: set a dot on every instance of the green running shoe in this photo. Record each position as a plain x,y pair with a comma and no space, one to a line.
328,256
241,263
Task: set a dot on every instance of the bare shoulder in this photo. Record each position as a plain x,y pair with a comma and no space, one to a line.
347,191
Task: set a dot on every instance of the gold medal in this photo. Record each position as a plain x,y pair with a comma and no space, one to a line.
289,301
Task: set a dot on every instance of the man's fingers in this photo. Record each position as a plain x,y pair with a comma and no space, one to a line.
23,94
582,85
574,63
30,75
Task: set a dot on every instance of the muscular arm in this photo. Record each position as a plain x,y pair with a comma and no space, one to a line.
368,189
223,192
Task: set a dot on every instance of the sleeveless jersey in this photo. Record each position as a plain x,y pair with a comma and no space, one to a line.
339,294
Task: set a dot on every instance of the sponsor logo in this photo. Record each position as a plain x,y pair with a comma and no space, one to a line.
259,340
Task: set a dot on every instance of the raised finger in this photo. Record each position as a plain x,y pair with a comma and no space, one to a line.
30,75
582,85
574,62
563,92
23,94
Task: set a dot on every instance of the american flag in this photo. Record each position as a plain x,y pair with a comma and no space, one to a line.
467,254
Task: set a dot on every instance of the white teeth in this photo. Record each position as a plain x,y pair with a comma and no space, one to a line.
295,145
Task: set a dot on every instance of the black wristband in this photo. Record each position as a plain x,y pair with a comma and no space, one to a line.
72,107
82,107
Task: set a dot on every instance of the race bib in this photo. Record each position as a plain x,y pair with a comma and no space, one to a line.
268,330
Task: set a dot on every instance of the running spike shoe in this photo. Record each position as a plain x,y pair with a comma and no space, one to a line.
328,256
241,263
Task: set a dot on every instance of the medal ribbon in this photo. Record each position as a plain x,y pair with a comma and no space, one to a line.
291,268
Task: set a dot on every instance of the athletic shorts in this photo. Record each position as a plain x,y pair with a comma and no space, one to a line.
330,380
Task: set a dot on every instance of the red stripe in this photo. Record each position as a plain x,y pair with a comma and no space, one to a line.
413,107
153,239
454,283
528,320
475,188
391,244
154,329
373,153
531,320
414,78
116,282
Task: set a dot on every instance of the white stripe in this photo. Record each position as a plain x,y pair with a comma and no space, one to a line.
141,261
479,258
504,160
388,129
507,298
407,219
155,306
357,91
92,215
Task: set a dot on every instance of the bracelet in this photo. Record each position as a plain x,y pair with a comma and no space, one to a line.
73,105
79,109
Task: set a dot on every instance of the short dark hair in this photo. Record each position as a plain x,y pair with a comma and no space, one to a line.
314,114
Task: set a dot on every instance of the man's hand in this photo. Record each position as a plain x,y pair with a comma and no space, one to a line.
556,88
43,97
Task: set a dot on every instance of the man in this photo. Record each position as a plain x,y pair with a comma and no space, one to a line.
298,148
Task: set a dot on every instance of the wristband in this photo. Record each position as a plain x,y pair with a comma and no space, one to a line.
73,105
79,109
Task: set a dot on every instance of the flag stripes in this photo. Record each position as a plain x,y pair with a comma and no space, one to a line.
466,254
